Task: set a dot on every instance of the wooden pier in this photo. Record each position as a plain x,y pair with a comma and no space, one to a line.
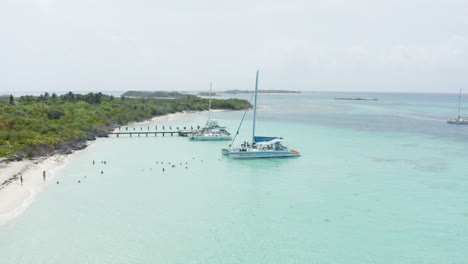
145,130
182,133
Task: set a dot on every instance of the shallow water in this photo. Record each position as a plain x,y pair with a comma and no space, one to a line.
378,182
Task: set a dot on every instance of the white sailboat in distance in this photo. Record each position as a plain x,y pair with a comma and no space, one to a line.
260,147
212,131
460,120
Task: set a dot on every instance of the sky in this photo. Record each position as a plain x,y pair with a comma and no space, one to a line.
307,45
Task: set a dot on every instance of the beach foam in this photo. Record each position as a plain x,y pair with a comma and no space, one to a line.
14,198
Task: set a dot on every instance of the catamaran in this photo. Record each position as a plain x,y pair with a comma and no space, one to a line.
212,130
261,147
460,120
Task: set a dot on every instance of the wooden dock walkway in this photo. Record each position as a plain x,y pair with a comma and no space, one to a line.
182,133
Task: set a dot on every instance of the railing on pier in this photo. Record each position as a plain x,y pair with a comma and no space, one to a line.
182,133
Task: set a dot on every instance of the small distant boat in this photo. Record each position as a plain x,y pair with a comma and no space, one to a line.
261,147
212,131
460,120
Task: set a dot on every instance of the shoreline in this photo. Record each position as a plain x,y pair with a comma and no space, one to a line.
16,198
169,116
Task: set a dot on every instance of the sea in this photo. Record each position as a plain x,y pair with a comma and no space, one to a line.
383,181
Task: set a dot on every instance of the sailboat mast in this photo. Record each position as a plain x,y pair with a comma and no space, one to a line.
459,102
209,105
255,108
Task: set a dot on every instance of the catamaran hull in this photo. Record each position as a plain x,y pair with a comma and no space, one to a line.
457,122
259,154
261,147
225,151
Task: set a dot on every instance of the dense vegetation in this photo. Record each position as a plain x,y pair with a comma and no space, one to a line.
156,94
207,94
259,91
38,125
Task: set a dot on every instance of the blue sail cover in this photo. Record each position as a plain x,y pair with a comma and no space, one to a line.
265,139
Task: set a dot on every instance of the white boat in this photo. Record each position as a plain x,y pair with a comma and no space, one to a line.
212,131
460,120
261,147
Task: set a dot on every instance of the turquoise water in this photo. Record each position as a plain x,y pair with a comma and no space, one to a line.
378,182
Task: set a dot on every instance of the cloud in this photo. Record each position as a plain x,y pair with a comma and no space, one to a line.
449,54
300,43
43,5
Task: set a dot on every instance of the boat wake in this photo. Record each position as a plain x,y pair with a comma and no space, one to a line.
421,118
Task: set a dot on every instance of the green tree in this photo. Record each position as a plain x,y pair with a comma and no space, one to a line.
40,125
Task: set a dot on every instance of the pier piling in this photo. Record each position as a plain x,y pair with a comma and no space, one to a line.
182,133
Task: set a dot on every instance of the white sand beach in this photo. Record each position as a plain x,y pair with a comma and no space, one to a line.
14,196
169,117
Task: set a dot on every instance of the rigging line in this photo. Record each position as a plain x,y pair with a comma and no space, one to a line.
242,120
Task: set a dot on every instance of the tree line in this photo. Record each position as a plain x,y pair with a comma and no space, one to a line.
32,126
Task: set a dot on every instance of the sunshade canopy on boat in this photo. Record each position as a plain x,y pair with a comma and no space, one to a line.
271,142
266,139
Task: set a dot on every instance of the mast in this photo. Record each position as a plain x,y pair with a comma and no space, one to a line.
209,105
459,101
255,108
